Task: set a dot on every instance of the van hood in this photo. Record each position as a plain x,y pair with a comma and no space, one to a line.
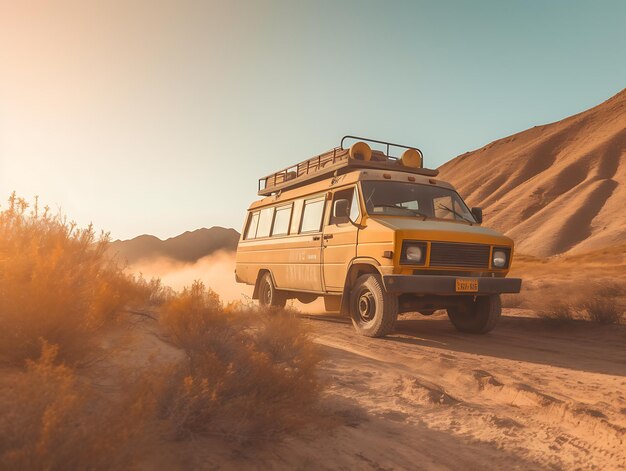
446,231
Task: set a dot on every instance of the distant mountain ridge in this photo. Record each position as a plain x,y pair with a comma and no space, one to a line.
557,188
190,246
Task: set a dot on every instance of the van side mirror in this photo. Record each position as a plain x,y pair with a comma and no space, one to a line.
478,214
341,210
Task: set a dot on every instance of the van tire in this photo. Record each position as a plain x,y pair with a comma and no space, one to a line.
372,309
269,296
477,317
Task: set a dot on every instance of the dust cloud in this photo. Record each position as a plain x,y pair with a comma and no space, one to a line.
216,271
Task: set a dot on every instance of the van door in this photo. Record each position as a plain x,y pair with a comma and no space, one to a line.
304,263
340,240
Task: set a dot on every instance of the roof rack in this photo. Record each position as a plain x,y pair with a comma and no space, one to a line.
336,160
387,145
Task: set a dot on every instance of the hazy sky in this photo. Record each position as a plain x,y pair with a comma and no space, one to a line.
159,116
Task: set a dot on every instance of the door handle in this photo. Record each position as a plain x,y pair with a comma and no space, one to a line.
328,236
316,237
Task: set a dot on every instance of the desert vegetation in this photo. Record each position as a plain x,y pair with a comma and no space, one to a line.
65,403
587,287
58,286
603,303
52,417
248,373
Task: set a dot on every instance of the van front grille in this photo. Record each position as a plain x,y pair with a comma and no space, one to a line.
445,254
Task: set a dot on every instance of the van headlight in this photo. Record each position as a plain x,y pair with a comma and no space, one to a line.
413,253
500,258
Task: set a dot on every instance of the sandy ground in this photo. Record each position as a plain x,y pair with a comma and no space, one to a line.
429,397
519,398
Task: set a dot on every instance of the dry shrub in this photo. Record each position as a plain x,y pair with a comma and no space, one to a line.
601,302
556,312
250,374
56,284
149,294
604,304
52,419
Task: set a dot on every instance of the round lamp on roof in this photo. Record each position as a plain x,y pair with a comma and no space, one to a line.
360,151
411,158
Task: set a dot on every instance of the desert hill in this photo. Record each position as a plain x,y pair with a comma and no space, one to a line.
189,246
555,188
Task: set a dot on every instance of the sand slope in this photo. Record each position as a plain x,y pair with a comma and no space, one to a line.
555,188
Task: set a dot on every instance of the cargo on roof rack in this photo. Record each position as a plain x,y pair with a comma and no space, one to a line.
342,160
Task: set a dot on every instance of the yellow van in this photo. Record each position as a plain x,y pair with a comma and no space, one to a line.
376,235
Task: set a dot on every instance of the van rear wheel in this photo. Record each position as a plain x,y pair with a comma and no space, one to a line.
477,317
373,310
269,296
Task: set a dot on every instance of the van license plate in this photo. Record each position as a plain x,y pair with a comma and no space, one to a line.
467,286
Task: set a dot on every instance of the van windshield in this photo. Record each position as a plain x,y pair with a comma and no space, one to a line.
385,198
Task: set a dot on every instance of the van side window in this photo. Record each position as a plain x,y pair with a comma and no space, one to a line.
312,215
297,215
281,221
265,222
355,207
253,222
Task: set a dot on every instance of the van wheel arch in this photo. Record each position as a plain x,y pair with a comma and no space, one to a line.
355,271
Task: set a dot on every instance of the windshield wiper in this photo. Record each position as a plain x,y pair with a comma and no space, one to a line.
442,206
413,211
369,198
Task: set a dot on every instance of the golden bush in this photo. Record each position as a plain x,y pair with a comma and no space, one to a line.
604,303
600,301
56,284
52,419
249,373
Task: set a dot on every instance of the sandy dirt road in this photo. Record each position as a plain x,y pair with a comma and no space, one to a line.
428,397
525,396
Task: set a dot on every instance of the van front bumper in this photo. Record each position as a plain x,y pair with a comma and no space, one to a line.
446,285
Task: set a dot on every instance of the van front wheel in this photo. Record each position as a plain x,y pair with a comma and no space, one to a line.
269,296
373,310
477,317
